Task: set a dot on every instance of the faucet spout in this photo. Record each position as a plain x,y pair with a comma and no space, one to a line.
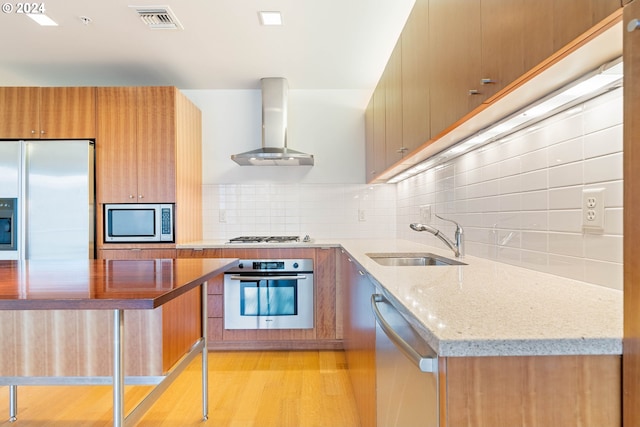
456,246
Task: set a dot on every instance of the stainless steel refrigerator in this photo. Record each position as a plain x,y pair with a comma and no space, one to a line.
51,183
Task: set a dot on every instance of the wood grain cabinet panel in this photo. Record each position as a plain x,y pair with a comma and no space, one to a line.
394,148
455,48
631,100
136,143
369,168
359,337
47,112
416,122
531,391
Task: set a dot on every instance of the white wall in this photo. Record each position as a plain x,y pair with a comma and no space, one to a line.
326,123
324,200
519,199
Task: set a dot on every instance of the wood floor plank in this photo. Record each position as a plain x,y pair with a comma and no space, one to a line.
246,389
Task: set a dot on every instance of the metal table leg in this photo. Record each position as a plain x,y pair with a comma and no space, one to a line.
118,368
13,403
205,356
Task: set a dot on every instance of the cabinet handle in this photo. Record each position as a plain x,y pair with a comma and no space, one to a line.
131,196
474,92
360,272
402,150
487,81
42,132
33,131
633,25
140,196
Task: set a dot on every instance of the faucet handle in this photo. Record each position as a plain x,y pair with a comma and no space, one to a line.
458,226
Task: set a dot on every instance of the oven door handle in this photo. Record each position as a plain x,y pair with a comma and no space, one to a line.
255,278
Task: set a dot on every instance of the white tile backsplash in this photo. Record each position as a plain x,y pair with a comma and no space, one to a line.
520,198
319,210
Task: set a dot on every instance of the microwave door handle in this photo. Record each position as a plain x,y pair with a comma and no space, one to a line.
256,278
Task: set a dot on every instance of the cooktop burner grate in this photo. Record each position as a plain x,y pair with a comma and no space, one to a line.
265,239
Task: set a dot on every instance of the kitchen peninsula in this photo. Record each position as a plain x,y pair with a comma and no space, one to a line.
57,318
513,344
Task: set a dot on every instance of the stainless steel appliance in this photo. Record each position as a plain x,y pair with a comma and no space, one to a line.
269,294
8,224
138,222
52,184
406,371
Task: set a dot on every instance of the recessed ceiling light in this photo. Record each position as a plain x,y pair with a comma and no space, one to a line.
42,19
270,18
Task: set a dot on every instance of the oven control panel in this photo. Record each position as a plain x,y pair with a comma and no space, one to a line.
273,265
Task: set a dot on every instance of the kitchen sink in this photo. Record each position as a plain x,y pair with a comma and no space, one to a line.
404,259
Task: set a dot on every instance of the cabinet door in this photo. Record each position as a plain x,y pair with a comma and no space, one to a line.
116,164
455,48
379,132
574,17
394,148
369,168
416,124
502,44
156,144
67,112
19,112
360,339
631,124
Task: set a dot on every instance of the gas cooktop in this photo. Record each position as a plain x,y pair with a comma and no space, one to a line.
265,239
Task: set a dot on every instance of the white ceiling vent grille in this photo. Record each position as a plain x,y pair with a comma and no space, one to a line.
158,17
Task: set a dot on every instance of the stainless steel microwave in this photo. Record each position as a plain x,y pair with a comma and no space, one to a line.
138,223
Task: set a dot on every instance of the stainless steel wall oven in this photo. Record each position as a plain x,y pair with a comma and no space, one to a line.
269,294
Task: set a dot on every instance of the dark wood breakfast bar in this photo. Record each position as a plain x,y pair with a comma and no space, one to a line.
108,322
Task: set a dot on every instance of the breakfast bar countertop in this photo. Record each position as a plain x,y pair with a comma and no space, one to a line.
486,308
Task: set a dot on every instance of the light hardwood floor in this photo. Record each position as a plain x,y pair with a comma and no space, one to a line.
259,389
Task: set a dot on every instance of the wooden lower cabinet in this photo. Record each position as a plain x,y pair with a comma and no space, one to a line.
322,336
530,391
359,337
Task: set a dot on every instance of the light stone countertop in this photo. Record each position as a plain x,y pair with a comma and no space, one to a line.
487,308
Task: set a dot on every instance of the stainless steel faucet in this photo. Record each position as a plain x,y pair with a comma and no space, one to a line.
457,247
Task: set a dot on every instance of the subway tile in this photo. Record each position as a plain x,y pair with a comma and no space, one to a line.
566,175
601,143
565,198
566,244
601,169
603,247
569,221
566,152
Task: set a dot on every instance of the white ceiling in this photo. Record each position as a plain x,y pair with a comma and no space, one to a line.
323,44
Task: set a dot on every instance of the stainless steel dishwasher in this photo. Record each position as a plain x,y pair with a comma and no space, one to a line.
406,371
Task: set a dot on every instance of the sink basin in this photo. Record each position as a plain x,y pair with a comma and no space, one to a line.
402,259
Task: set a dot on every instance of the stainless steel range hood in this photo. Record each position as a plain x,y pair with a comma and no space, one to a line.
274,151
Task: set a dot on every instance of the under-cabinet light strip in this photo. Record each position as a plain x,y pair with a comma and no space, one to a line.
597,82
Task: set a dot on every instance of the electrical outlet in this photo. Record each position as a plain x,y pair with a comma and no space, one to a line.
361,215
222,216
425,214
593,210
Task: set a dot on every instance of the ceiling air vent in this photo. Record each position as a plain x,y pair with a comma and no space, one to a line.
158,17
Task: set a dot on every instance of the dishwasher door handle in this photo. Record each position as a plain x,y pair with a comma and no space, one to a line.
424,363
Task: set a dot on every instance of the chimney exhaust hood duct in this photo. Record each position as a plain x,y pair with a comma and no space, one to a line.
274,151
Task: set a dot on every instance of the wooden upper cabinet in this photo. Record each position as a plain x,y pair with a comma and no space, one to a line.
379,130
116,145
68,112
136,145
394,148
157,144
455,51
416,122
369,167
47,112
573,17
